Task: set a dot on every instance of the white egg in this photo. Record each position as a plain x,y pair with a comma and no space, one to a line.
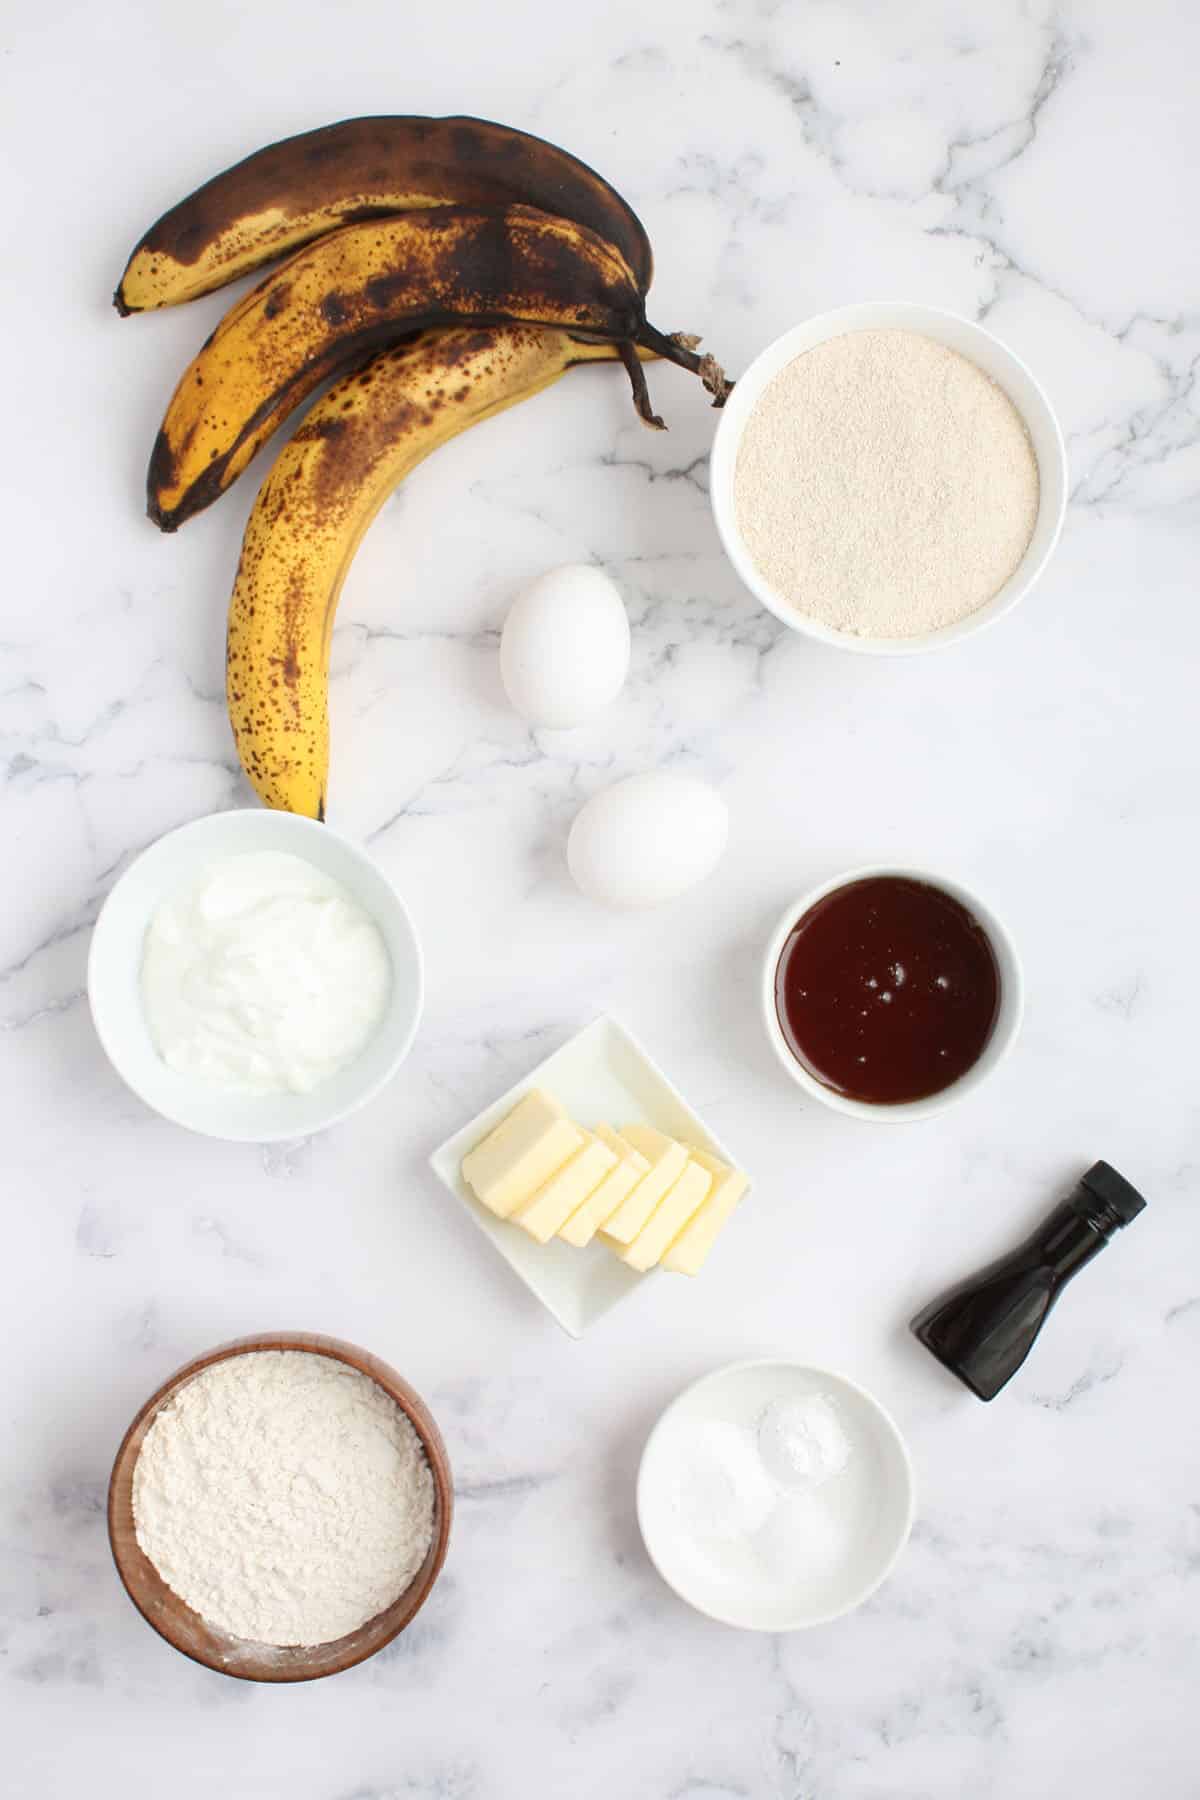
564,651
647,839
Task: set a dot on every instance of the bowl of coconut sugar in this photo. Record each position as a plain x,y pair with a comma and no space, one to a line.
888,478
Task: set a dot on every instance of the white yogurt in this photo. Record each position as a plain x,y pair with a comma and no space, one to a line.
263,977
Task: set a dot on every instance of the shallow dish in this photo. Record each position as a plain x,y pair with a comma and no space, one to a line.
600,1074
114,977
979,347
186,1630
1004,1031
822,1592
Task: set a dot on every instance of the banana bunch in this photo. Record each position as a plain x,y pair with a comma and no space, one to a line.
341,299
443,269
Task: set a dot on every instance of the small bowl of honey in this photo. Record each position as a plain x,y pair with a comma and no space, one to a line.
891,993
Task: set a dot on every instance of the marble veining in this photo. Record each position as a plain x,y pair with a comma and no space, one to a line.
1025,162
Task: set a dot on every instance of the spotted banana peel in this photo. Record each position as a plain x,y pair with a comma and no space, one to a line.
353,448
288,193
366,287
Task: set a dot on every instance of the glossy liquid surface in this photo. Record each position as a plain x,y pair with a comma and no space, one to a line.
887,990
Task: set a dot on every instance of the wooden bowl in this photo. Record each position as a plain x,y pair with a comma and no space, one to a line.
185,1629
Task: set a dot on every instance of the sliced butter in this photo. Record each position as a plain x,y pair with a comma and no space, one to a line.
667,1161
669,1217
616,1187
621,1146
686,1256
549,1208
522,1152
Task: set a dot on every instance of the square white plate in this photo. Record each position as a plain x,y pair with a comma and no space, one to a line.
601,1074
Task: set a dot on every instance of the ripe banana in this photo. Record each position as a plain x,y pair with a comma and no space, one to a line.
291,192
353,448
362,288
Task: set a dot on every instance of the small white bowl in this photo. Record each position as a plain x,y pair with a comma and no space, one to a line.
872,1500
1004,1031
979,347
115,962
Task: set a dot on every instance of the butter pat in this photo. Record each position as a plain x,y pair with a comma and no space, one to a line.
669,1217
616,1187
522,1152
621,1146
667,1161
686,1256
547,1210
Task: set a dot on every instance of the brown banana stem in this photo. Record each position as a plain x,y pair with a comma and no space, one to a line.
641,393
680,348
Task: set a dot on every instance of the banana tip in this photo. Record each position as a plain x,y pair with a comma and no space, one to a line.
122,308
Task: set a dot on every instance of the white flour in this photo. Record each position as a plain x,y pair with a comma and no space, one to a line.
284,1497
885,486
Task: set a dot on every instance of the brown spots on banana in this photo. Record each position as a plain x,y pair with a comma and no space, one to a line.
289,669
357,171
161,476
327,485
375,284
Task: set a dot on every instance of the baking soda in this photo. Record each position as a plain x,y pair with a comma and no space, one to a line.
801,1442
779,1497
723,1490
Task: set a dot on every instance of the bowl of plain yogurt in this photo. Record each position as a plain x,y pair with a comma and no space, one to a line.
254,976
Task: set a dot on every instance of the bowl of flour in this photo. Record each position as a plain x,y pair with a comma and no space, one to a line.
280,1509
888,478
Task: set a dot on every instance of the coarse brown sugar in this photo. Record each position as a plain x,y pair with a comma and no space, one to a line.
885,485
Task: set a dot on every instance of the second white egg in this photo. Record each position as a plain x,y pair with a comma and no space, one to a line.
647,839
564,651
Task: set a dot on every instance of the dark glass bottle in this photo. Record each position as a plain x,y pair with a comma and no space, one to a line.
984,1328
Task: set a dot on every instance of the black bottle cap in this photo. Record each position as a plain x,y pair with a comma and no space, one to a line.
1113,1192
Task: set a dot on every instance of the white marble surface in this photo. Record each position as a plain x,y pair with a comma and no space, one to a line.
1029,164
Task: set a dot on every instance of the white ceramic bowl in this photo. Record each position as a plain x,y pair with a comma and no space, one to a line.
979,347
1004,1031
871,1504
114,977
